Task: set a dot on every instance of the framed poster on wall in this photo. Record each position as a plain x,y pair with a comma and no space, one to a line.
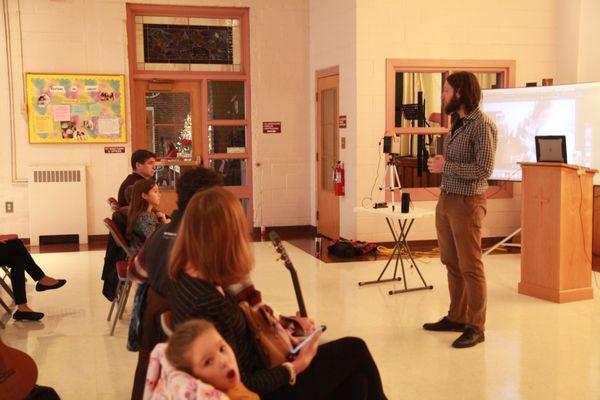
76,108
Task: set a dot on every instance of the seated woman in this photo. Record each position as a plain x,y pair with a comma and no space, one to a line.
212,251
142,220
197,361
15,256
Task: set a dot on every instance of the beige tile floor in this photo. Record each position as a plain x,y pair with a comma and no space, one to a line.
533,350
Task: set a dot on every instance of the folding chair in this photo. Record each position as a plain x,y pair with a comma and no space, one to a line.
124,285
166,323
4,269
7,289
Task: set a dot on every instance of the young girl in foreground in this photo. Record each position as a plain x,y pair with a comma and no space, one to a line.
196,364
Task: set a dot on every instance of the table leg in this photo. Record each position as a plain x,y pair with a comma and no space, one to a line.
396,252
404,230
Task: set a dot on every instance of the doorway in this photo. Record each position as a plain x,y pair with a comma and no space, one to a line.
328,205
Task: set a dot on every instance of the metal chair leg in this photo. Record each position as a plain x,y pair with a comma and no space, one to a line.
120,307
115,300
126,298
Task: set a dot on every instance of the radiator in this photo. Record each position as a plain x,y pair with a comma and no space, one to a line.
57,201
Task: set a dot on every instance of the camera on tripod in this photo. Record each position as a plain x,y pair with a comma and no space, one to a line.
391,145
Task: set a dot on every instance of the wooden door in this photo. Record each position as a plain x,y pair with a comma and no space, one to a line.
169,113
328,205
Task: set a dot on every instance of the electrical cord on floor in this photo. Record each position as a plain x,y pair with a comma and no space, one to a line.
422,255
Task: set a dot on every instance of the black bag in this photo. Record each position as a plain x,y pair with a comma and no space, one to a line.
349,249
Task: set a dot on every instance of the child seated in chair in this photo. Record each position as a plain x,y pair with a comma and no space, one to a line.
142,220
195,364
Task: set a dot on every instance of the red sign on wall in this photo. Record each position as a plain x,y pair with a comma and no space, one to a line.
342,121
271,127
114,149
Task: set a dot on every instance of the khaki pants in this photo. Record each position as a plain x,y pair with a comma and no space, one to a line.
458,222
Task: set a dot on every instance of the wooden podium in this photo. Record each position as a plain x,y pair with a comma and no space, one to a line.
556,239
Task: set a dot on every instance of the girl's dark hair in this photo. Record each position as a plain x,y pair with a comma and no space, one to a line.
466,85
138,204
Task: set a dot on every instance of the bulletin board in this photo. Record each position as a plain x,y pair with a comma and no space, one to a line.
76,108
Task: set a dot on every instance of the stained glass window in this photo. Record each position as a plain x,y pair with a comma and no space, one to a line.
187,44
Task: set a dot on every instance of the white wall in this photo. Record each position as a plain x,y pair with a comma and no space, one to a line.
333,42
89,36
589,51
521,30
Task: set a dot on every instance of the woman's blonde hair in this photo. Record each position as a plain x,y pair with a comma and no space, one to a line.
178,347
213,239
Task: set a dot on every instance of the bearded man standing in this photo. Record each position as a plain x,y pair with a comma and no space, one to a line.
468,161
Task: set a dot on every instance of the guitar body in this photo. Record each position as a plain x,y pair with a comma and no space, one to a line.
18,373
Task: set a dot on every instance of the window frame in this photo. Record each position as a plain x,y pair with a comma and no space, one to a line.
505,68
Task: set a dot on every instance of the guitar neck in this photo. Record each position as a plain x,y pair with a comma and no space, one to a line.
298,290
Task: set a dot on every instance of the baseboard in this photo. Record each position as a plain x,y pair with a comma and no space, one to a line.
97,238
59,239
294,229
556,295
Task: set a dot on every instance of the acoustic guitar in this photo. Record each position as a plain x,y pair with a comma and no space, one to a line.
290,267
18,373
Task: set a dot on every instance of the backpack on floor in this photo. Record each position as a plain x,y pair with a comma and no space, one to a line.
348,249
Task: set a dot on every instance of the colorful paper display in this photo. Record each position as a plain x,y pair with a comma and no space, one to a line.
76,108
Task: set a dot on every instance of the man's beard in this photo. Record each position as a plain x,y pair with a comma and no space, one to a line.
452,106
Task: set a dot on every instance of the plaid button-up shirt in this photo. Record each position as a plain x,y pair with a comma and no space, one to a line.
470,152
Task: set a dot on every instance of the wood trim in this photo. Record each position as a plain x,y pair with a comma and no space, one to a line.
325,72
228,122
437,130
423,64
393,65
201,78
227,156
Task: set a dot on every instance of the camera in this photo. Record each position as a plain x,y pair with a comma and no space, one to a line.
391,144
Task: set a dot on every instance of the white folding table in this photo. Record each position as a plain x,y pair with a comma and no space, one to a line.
405,221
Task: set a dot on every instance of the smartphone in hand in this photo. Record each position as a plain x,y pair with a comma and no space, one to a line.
296,349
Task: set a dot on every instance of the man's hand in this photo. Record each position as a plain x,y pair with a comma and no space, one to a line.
436,164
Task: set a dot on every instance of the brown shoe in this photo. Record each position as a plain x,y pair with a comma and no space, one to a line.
444,325
469,338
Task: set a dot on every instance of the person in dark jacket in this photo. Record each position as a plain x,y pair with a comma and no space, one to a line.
142,163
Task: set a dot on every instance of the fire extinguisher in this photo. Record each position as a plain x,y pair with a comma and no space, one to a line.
339,186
